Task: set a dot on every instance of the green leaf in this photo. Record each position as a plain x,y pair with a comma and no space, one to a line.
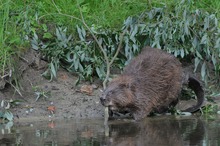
38,95
88,71
53,70
47,35
135,30
203,70
198,55
2,103
214,60
76,64
35,36
44,27
10,123
58,34
195,42
81,69
98,72
176,53
81,33
8,115
217,43
82,57
197,61
206,23
186,27
182,52
204,39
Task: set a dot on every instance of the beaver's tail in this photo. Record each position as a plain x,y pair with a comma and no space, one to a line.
195,85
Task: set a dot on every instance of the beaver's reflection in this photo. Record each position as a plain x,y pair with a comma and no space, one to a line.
157,131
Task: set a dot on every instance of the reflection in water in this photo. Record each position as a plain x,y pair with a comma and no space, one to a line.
156,131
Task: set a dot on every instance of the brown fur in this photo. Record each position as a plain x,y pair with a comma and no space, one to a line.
150,82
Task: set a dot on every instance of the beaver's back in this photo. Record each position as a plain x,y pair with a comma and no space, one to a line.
157,75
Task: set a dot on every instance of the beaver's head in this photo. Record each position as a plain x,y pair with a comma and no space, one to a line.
119,94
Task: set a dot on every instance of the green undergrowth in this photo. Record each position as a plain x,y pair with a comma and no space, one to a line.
188,29
192,35
12,40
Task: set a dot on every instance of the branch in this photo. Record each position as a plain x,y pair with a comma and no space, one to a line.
113,59
108,63
94,37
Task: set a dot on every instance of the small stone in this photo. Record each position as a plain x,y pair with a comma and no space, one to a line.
218,112
31,109
94,86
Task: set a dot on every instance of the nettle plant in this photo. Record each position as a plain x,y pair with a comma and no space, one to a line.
185,33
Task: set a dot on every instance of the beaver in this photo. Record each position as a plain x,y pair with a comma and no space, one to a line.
151,82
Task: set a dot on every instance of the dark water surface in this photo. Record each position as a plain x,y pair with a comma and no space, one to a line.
155,131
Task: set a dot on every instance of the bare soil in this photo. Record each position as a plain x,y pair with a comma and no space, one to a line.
65,100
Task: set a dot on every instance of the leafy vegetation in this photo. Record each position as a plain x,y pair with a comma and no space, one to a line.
5,106
160,23
40,93
179,30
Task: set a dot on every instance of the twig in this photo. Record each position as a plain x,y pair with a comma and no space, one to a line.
15,88
95,38
113,59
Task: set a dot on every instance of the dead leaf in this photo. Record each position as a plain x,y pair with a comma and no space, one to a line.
51,108
87,89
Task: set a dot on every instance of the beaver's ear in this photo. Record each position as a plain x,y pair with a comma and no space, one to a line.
126,85
122,85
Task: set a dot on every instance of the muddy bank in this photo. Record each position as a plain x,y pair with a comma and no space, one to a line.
63,98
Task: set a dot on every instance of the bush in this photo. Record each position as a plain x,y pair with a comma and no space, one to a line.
178,30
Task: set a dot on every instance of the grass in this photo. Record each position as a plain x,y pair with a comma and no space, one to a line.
11,42
110,13
4,50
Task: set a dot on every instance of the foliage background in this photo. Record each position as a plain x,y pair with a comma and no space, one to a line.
189,29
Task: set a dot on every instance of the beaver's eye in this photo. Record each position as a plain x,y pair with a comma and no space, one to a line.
110,92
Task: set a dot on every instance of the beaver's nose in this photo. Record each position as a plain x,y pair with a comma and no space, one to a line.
102,99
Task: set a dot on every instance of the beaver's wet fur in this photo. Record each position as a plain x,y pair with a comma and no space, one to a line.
151,82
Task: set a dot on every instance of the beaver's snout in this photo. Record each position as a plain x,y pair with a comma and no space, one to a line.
103,100
106,101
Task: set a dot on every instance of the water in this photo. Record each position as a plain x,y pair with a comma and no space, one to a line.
155,131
